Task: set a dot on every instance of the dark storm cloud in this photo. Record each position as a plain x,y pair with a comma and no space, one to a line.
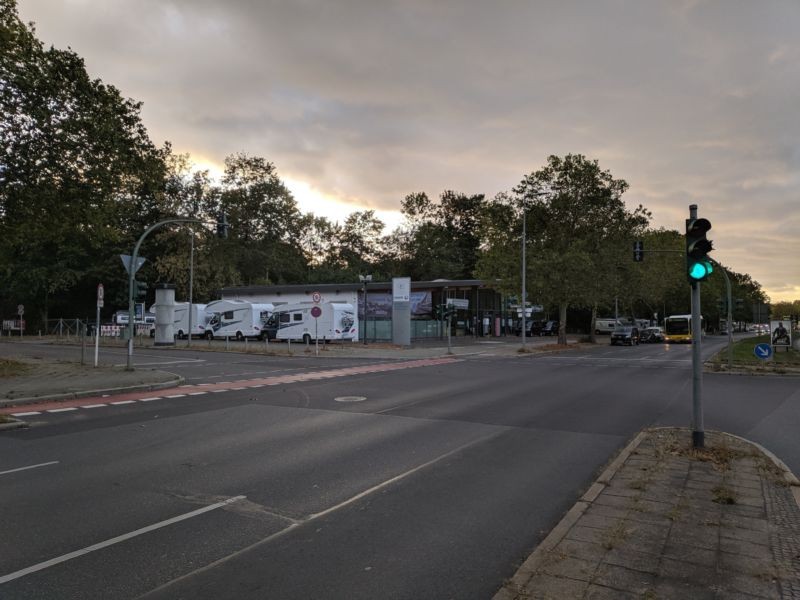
691,102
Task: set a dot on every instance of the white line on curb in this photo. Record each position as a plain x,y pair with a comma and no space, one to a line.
123,402
59,410
26,414
94,405
150,399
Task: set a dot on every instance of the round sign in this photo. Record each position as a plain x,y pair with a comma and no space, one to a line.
316,297
762,351
100,291
21,309
316,311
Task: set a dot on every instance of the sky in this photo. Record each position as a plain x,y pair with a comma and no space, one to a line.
359,103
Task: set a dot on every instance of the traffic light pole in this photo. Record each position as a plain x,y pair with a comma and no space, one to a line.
131,278
698,432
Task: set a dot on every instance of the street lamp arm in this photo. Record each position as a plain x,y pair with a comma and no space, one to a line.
132,273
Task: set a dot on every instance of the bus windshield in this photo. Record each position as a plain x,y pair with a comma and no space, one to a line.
674,326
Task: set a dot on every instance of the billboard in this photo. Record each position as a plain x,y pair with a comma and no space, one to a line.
781,334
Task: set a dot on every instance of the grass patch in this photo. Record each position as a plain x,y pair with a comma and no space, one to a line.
12,368
743,355
723,495
5,419
615,536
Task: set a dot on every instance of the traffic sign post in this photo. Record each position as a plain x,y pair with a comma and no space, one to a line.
763,351
316,311
20,312
100,302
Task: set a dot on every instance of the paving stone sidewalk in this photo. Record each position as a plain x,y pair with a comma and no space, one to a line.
665,522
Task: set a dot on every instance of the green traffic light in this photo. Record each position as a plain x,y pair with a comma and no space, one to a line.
700,270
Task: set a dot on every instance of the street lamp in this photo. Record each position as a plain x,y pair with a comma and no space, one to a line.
365,279
524,245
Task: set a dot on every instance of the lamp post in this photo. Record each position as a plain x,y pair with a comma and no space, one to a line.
365,279
523,301
191,284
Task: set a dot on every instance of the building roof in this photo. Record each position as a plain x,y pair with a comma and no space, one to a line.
309,288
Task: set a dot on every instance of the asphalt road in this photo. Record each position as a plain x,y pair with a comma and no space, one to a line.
428,482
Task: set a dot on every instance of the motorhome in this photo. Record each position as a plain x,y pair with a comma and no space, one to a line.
334,321
237,319
605,325
199,316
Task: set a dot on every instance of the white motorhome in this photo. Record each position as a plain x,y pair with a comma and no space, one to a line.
237,319
336,321
200,320
605,325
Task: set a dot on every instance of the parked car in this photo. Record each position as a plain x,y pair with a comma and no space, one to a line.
626,334
533,328
549,328
651,335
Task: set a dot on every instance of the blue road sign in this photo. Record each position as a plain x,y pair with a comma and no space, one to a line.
762,351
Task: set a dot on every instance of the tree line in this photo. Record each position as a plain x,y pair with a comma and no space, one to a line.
80,180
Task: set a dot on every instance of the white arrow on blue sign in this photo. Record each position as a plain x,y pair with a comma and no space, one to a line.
762,351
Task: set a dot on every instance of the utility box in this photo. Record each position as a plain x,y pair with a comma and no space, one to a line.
165,314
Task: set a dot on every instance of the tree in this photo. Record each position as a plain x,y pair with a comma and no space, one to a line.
77,172
577,227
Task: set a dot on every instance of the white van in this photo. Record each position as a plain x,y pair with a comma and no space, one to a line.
200,320
237,319
335,321
605,325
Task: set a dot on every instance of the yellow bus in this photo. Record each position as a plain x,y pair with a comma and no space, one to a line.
678,328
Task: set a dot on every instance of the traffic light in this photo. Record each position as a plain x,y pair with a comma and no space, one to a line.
443,311
638,251
139,290
222,226
698,265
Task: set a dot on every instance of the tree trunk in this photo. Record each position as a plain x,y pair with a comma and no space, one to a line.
562,324
593,325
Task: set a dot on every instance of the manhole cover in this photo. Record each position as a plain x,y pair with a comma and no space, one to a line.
350,398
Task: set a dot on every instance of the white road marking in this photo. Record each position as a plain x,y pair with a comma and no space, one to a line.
150,399
176,396
218,391
58,410
52,462
123,402
197,393
120,538
26,414
163,362
93,405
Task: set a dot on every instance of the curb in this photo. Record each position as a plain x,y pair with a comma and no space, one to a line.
144,387
509,591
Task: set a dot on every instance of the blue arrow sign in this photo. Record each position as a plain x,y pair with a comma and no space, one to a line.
762,351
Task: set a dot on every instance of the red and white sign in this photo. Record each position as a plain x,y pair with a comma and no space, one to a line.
316,297
316,311
100,294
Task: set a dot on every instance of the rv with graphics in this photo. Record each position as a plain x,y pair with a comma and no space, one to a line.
236,319
336,321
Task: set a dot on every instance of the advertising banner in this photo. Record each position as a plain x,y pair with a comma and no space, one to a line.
781,334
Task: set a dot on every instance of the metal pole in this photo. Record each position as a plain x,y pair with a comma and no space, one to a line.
83,341
698,433
191,283
365,311
449,348
523,303
97,336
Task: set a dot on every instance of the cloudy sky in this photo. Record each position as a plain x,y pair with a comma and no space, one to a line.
359,103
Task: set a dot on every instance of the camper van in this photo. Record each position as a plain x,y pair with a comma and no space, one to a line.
180,321
199,320
605,325
336,321
237,319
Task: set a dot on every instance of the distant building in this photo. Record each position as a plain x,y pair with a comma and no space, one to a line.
485,316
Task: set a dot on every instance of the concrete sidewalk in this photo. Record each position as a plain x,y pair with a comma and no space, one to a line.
665,521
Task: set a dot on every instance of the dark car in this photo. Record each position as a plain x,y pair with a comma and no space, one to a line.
651,335
549,328
625,334
533,328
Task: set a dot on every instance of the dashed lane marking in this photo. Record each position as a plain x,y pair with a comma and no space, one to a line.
225,386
